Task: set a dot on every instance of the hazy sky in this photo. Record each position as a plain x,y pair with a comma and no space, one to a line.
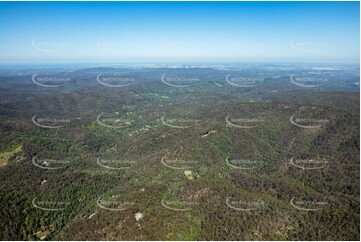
163,31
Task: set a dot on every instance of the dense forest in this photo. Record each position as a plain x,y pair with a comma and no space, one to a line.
187,161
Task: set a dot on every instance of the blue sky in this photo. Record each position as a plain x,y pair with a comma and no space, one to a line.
179,31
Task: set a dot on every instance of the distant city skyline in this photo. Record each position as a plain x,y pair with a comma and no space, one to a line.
65,32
